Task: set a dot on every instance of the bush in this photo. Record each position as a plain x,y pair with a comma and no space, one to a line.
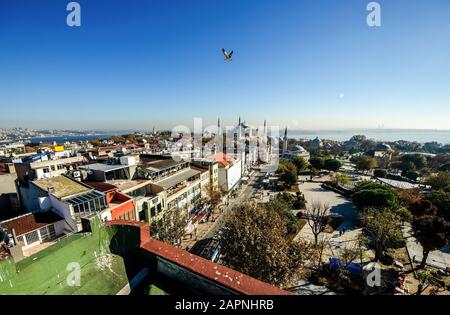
332,165
380,173
375,195
411,175
317,162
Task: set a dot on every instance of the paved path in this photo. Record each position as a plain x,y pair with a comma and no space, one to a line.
339,205
438,258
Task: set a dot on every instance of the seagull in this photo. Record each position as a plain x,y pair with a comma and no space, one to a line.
227,55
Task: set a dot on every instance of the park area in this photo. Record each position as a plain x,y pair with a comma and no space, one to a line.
47,271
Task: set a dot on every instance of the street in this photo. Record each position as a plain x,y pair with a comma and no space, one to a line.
244,194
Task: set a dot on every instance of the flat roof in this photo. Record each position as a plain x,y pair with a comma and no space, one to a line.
126,185
101,186
160,165
103,167
62,186
177,178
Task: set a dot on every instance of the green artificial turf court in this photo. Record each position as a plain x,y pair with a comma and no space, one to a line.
46,272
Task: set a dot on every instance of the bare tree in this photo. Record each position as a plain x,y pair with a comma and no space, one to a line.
316,216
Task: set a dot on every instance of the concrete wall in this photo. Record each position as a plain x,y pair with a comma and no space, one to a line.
189,279
194,272
65,210
29,197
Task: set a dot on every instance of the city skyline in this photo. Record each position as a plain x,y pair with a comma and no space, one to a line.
305,65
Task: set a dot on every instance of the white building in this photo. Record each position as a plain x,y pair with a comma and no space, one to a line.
230,171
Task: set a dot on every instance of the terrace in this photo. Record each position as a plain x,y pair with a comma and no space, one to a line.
156,169
179,181
110,259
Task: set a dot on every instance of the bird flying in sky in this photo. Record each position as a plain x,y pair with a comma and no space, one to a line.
227,55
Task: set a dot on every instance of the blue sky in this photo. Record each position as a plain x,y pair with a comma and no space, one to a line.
307,64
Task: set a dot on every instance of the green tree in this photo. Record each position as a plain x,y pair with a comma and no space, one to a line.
289,175
418,160
283,204
332,165
380,173
439,181
432,232
340,179
300,163
441,199
317,162
374,195
412,175
296,201
444,167
366,163
214,195
383,226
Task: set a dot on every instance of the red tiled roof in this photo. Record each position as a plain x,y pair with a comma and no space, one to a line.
220,158
30,222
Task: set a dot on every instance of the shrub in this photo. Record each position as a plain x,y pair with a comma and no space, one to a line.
380,173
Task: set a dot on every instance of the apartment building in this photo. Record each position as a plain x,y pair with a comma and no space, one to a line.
42,165
70,199
229,171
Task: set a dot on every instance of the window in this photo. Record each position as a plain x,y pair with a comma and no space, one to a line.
142,216
51,231
158,208
32,237
46,170
152,212
44,234
52,167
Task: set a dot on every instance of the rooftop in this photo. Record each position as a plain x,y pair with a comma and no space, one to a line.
177,178
44,273
103,167
62,186
30,222
160,165
101,186
126,185
222,158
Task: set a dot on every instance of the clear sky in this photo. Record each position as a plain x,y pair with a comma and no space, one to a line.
306,64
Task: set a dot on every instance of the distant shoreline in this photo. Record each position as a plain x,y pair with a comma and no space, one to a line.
388,135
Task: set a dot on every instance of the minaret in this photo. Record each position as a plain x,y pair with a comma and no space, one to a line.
265,129
239,136
218,126
285,141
